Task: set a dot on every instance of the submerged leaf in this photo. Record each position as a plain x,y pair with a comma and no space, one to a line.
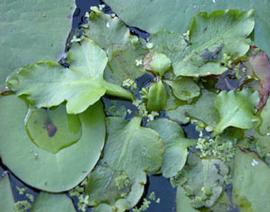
48,84
42,169
236,109
132,150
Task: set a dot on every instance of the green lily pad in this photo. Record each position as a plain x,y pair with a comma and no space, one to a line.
133,151
48,84
53,172
45,202
236,109
52,130
251,183
6,197
175,15
31,31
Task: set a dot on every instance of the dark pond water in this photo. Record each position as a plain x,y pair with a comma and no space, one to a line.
157,184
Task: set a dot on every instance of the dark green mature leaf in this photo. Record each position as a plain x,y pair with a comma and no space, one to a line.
203,110
236,109
31,31
251,183
184,88
48,84
132,150
175,15
203,180
176,146
45,202
212,37
6,197
107,31
42,169
124,50
183,202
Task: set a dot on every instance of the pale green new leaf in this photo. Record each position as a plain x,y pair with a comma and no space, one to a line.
264,128
6,197
236,109
45,202
42,169
176,146
183,202
32,31
251,183
48,84
133,151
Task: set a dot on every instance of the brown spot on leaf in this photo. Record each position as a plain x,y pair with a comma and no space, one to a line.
51,129
260,65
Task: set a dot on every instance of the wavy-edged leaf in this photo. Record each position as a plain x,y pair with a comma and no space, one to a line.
176,146
52,202
42,169
177,14
236,109
203,110
48,84
203,180
132,150
212,36
31,31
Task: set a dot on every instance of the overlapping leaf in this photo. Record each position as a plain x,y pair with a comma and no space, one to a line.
175,15
31,31
176,146
48,84
131,151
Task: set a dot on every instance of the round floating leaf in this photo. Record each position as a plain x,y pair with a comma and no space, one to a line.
31,31
39,168
53,130
45,202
